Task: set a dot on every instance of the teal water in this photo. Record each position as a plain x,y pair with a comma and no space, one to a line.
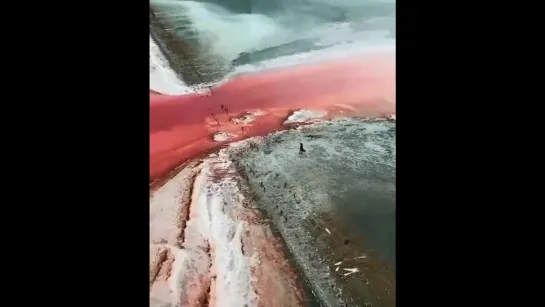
240,32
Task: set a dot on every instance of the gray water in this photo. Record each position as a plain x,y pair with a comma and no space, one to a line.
345,181
302,15
232,33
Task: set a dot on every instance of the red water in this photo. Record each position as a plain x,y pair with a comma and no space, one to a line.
181,127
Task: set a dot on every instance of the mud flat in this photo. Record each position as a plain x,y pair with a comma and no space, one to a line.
319,200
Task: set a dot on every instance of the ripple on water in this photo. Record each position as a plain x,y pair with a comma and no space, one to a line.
333,203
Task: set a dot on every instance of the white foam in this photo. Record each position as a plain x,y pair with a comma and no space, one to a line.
162,78
226,34
222,137
331,53
301,116
248,117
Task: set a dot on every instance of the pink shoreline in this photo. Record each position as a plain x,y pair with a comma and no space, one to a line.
196,235
181,127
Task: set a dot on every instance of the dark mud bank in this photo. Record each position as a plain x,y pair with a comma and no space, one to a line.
334,205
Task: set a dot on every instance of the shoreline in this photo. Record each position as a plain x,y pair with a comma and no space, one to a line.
316,238
182,127
217,180
209,247
209,244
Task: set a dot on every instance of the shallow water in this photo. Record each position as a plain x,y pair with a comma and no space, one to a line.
223,35
345,182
